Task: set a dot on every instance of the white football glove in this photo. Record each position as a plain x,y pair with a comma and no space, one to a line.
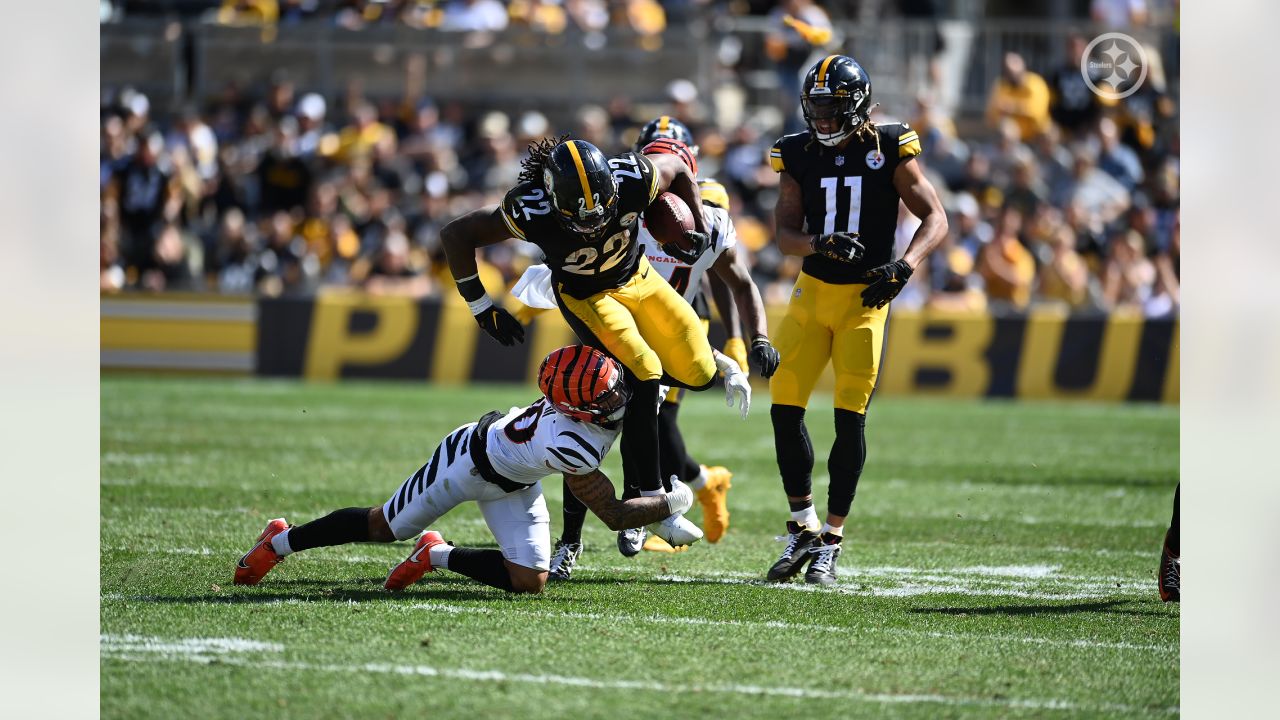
680,499
736,384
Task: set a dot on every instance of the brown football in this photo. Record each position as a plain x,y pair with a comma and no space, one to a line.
667,220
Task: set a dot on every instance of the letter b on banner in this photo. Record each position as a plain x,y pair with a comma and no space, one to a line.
941,354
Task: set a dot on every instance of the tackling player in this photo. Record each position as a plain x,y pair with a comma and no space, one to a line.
839,188
580,207
497,462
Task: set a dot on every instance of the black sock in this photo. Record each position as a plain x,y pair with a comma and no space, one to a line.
640,455
574,513
675,457
339,527
486,566
799,505
1171,537
848,454
793,448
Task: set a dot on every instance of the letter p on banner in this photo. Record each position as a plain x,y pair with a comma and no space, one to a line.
356,329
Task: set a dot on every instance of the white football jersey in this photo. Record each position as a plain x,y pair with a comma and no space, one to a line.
687,279
531,442
534,287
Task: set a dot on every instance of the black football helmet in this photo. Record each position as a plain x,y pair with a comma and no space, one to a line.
665,127
837,88
577,177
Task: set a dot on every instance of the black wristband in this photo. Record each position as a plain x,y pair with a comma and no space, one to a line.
471,288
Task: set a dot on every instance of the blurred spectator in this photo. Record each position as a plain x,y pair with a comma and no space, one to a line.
1118,14
1020,95
1129,277
971,231
1117,160
797,29
284,179
170,268
1006,265
1065,276
358,140
1090,189
1073,105
392,272
142,190
543,16
474,16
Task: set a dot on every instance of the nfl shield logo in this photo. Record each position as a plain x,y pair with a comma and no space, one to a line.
875,159
839,160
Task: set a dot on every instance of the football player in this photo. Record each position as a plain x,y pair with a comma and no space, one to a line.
1170,573
839,188
663,135
497,462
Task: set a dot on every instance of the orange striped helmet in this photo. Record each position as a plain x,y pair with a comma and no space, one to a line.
667,146
584,384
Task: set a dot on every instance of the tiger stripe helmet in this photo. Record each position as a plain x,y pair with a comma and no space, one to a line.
667,146
584,384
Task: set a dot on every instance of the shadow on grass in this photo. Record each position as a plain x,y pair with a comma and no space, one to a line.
1110,607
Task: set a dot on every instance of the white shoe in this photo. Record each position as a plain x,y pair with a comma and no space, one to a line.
676,530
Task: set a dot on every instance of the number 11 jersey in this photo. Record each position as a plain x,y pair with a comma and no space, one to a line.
583,267
848,189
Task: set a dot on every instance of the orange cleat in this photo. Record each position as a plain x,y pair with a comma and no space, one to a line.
712,498
258,561
416,565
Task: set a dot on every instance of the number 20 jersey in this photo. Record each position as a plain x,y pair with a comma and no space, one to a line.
848,189
580,266
529,443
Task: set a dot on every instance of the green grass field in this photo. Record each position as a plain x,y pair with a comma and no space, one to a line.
999,562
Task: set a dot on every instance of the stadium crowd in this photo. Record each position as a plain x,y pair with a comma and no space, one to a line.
1057,197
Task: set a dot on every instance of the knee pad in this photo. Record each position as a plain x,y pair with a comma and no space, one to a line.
848,454
793,448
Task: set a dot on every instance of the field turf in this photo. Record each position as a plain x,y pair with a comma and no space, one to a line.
999,562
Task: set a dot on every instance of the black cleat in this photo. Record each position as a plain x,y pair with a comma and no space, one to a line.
825,552
563,560
794,555
1170,576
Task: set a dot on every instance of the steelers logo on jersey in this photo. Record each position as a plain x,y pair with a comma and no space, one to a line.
875,159
628,219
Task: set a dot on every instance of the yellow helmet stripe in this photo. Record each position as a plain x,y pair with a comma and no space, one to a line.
663,122
822,71
582,175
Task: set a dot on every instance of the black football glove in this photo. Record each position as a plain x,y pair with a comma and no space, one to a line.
502,325
764,356
843,247
688,257
886,282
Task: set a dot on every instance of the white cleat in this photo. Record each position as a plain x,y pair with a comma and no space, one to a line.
676,530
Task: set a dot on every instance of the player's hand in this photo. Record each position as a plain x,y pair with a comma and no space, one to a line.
736,350
886,282
765,356
736,387
841,246
680,499
700,243
502,325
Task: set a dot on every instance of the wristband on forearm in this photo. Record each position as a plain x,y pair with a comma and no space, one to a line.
472,290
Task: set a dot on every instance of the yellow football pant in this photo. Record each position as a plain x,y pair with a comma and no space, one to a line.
648,327
828,322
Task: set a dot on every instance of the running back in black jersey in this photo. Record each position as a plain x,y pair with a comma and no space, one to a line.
585,267
848,189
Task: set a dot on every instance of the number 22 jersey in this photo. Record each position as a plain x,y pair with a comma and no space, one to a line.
848,189
584,267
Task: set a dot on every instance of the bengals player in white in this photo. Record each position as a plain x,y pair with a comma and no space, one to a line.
497,462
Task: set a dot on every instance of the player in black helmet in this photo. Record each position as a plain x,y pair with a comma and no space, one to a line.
840,184
581,208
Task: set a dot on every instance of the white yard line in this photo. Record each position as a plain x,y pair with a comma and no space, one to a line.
498,676
182,646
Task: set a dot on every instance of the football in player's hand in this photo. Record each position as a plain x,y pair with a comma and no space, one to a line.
668,219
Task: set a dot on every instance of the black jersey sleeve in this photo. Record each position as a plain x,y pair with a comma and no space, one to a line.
786,155
904,137
522,206
637,179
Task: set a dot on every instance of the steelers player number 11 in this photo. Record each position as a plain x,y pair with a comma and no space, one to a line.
833,220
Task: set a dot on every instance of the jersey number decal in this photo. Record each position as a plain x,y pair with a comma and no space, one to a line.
619,166
522,427
680,279
833,222
582,260
530,209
